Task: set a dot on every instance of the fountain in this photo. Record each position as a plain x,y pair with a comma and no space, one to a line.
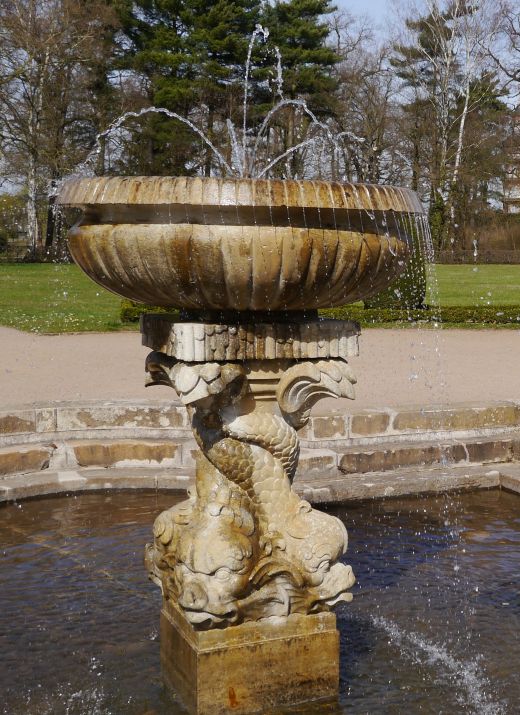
249,572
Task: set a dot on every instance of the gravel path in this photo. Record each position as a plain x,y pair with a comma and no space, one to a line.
395,368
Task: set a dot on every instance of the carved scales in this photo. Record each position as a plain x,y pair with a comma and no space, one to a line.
244,546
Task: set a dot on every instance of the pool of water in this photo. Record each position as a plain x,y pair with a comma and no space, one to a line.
434,626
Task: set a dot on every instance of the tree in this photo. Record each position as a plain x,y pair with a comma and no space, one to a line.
366,116
444,61
12,219
190,57
46,50
483,159
428,67
505,51
300,31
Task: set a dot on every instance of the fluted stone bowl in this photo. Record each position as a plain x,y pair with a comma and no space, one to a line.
240,244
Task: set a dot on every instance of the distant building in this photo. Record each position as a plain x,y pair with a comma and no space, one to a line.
512,180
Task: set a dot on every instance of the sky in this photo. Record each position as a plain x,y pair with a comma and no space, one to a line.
375,8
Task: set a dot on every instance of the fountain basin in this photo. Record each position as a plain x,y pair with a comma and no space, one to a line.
240,244
79,632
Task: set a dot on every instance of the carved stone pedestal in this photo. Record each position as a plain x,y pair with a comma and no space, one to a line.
247,569
253,667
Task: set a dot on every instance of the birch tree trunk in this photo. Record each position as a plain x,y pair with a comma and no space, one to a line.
458,156
33,233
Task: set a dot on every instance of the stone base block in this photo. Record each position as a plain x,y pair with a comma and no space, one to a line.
251,668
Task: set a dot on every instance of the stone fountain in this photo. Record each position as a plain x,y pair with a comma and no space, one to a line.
249,572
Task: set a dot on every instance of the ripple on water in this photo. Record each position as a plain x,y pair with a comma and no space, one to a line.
433,627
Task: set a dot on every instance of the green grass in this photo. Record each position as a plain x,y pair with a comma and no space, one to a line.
55,298
48,298
476,285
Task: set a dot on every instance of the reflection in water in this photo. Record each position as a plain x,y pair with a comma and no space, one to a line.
433,627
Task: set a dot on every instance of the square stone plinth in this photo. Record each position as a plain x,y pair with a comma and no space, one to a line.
253,667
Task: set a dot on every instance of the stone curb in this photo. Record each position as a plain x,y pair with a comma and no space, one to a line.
387,457
142,435
66,481
74,417
366,425
150,419
399,483
403,482
319,464
127,435
98,453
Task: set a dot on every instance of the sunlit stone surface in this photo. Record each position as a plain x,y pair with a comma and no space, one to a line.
244,559
241,245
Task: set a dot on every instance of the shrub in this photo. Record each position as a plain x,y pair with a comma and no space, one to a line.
130,312
4,237
483,314
487,315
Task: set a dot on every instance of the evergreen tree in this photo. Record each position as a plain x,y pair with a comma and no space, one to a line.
191,54
299,30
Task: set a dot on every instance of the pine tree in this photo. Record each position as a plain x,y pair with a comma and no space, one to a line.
299,30
191,54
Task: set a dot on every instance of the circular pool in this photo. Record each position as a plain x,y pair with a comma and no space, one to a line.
433,627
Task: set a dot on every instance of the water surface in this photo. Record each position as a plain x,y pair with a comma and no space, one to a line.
434,626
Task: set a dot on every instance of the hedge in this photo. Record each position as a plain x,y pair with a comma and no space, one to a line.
130,312
487,315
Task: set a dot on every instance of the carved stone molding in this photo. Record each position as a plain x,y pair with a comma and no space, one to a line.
204,342
244,546
306,383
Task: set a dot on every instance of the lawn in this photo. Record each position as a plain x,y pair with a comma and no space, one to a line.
49,298
55,298
476,285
